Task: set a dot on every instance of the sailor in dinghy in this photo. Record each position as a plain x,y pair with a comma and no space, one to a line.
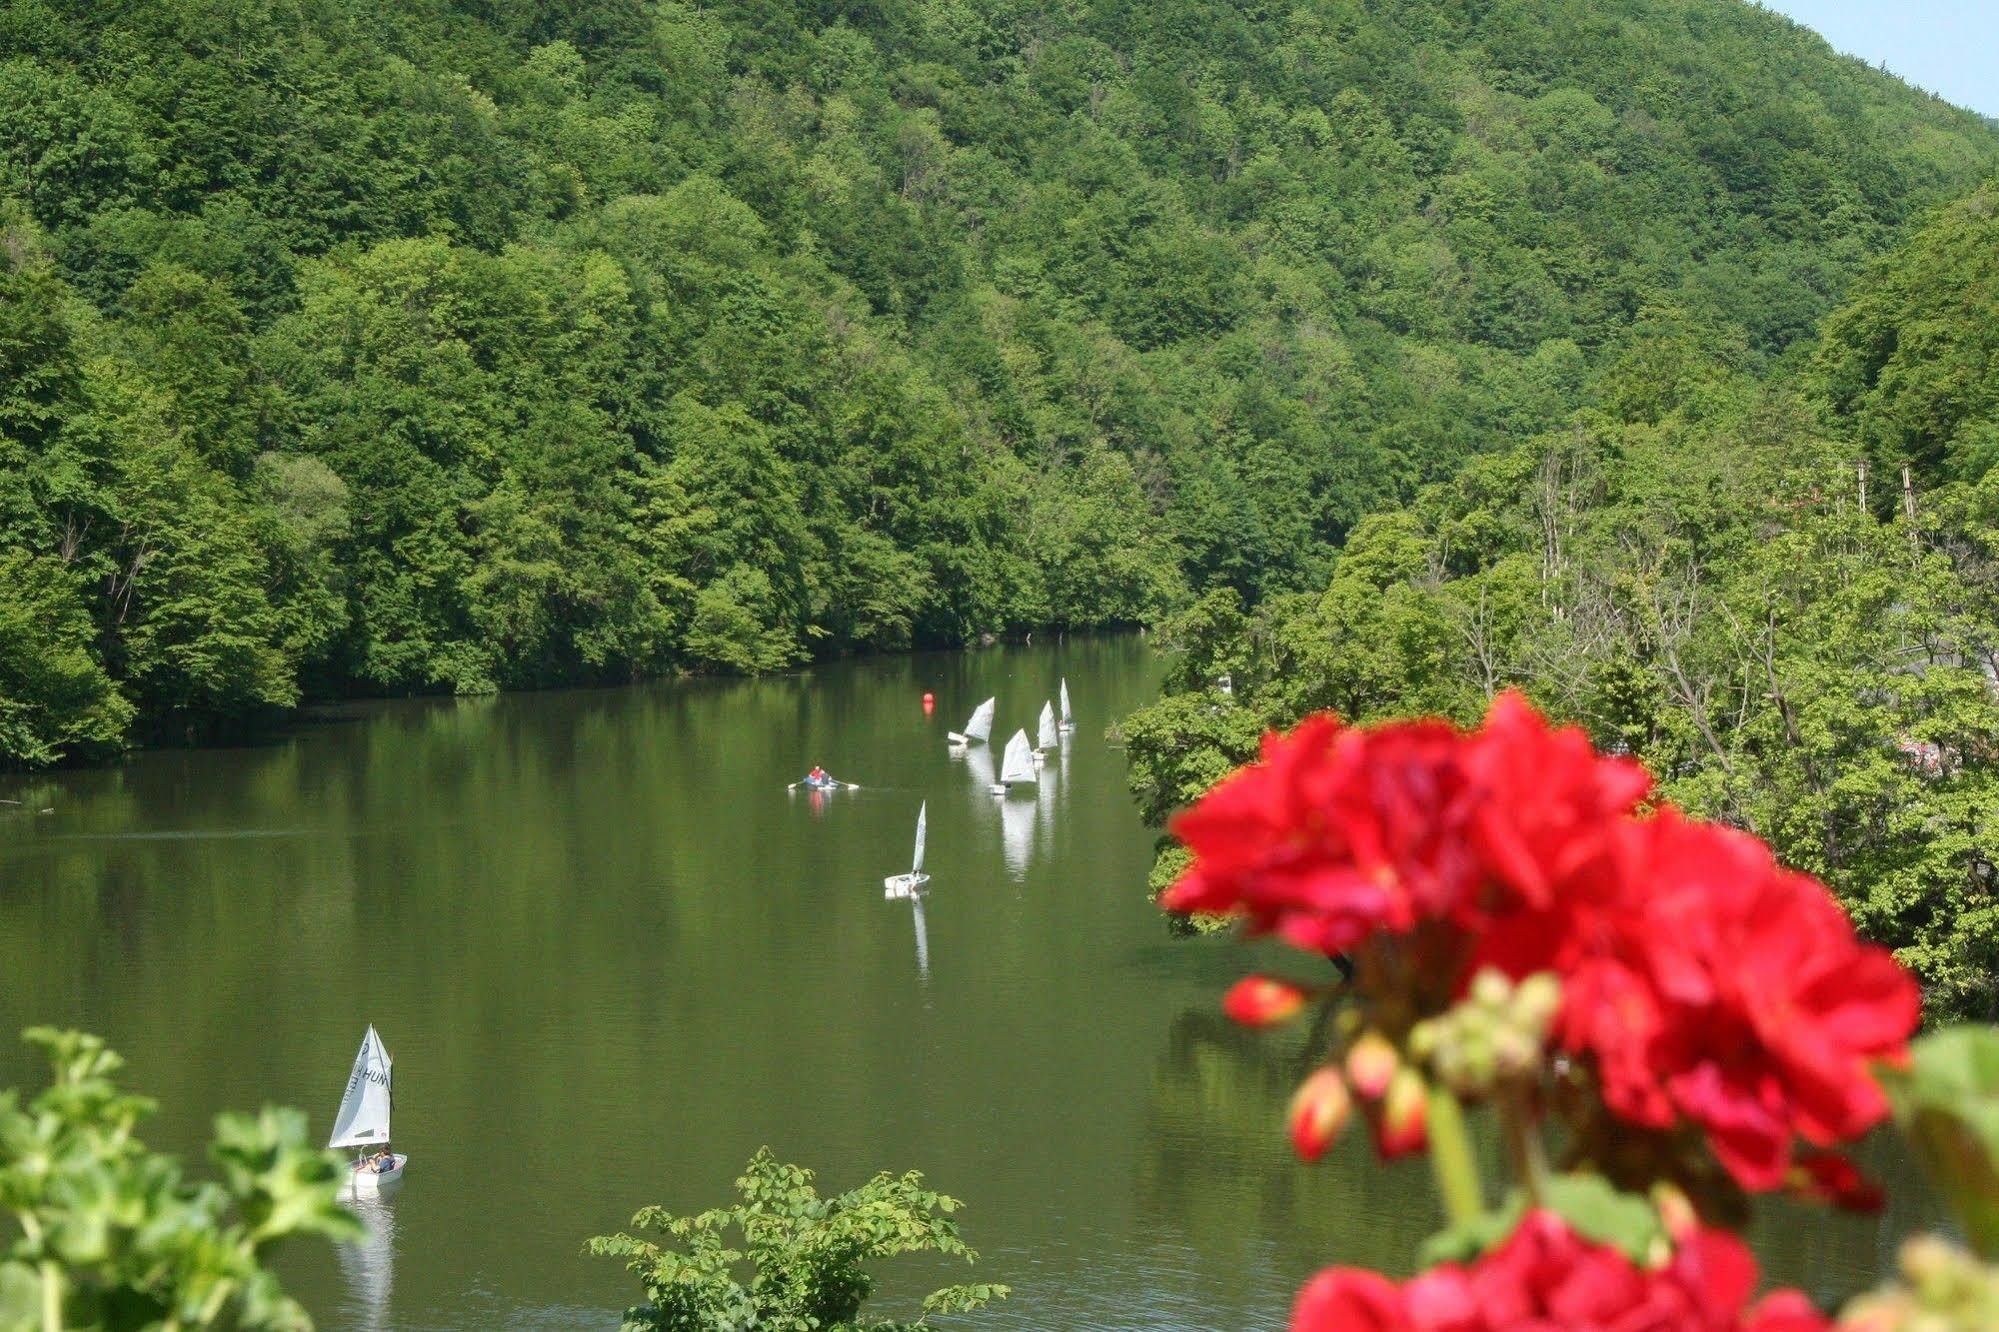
363,1122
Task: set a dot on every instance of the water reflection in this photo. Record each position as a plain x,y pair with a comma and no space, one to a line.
1044,801
1016,834
368,1265
922,936
979,763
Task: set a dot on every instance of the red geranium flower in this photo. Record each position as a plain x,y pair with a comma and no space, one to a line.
1546,1278
1340,832
1337,833
1549,803
1709,984
1737,996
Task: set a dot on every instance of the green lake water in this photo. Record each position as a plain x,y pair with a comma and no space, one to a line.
611,956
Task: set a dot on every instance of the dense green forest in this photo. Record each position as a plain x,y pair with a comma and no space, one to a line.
355,346
1728,577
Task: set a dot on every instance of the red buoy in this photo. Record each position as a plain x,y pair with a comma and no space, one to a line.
929,704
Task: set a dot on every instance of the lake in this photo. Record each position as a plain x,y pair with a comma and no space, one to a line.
612,955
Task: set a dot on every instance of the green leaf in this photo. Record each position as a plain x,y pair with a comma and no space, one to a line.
1947,1102
1465,1242
1597,1211
1591,1207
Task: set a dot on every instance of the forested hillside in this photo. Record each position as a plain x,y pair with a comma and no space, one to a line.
349,345
1730,579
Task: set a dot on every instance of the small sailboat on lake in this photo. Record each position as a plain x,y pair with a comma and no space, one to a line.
1048,736
1068,721
1017,767
978,727
363,1122
911,884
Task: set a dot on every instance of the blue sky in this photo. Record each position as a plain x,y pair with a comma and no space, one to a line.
1950,47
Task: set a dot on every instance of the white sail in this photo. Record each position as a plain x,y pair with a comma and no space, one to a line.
978,728
1067,720
364,1109
922,821
1048,737
1018,765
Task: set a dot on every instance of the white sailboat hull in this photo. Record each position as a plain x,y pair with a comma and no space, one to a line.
361,1182
898,886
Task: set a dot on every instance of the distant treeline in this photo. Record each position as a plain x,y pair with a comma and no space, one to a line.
1729,579
356,346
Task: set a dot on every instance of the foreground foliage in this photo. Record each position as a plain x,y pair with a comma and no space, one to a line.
101,1233
348,345
1688,1023
805,1254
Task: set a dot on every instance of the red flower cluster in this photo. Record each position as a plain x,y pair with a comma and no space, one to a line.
1544,1277
1711,985
1734,994
1341,832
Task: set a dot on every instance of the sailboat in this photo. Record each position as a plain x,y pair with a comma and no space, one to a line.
910,884
1017,767
978,728
1047,737
363,1120
1068,722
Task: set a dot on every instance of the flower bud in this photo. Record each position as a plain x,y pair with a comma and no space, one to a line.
1931,1266
1319,1110
1490,989
1402,1127
1676,1210
1513,1052
1262,1001
1481,1063
1371,1064
1828,1177
1536,1000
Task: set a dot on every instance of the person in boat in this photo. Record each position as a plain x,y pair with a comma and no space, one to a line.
382,1162
817,777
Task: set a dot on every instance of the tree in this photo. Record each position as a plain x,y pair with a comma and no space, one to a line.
1909,364
805,1254
55,698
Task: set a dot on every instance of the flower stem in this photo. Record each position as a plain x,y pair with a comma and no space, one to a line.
1524,1150
1451,1157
